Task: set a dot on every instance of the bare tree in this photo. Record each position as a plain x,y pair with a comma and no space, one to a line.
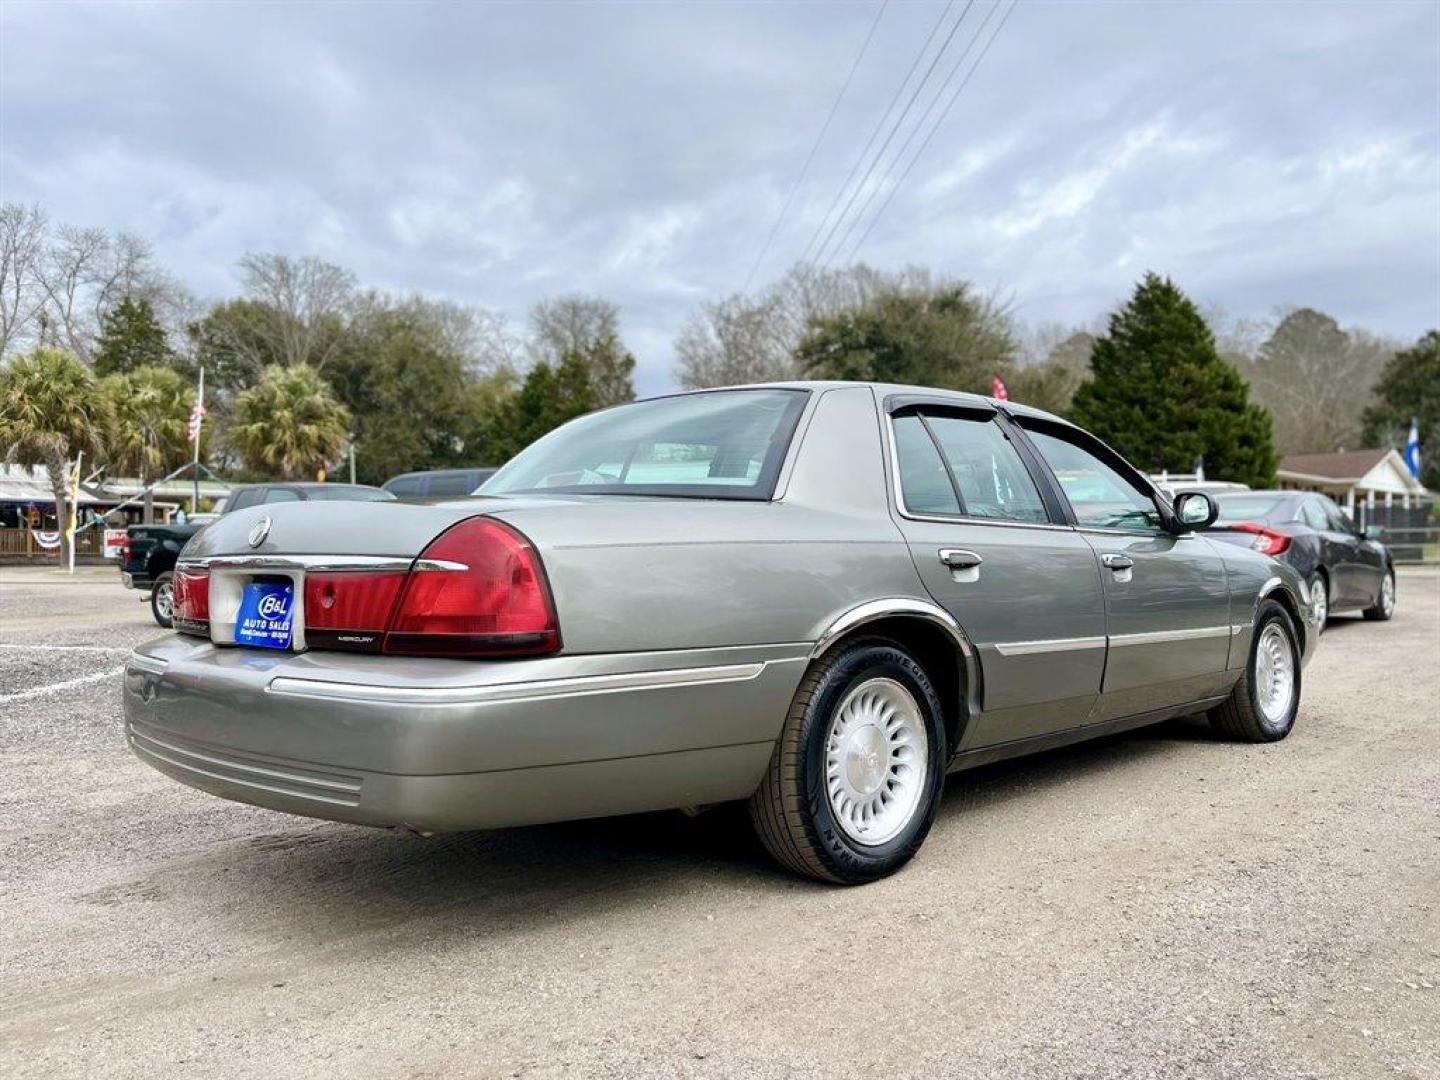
494,347
309,298
74,262
749,338
572,324
734,341
1316,379
22,244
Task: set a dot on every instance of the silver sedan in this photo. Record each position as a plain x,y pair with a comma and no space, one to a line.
817,597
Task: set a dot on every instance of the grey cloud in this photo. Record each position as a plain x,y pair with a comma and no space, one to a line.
1261,154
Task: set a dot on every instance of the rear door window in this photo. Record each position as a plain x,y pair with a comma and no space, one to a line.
963,465
407,487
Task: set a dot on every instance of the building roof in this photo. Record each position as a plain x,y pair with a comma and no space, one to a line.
1350,465
23,484
1380,470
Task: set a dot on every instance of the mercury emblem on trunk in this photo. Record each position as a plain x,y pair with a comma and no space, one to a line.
259,531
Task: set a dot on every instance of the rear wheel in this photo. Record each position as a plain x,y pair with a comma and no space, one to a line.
1320,600
1263,704
855,779
1385,602
162,599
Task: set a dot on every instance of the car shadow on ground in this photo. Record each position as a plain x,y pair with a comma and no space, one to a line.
318,878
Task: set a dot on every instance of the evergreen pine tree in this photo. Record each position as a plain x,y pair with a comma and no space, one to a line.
130,337
1160,393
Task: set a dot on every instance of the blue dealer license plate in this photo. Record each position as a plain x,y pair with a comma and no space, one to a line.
266,608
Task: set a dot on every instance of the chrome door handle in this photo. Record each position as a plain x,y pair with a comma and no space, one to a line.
1117,562
956,559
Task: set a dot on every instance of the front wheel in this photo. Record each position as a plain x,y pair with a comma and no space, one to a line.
162,599
855,780
1385,602
1263,704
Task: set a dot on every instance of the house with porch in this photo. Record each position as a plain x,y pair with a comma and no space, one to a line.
1370,484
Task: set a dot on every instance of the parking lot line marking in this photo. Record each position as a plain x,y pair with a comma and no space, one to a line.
39,691
63,648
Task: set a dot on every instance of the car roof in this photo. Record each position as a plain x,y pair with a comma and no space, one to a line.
444,472
960,397
1279,493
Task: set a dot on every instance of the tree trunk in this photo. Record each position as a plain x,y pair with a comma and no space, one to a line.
59,472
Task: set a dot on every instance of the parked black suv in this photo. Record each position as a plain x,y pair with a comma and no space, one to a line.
151,550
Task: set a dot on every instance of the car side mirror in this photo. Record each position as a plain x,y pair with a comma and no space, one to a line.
1195,510
1374,532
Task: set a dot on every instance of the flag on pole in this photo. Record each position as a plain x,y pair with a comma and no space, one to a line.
1412,449
197,417
998,390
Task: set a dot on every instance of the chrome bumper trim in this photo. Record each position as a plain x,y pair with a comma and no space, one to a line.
148,664
529,691
310,562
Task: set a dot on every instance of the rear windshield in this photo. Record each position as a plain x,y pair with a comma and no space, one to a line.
348,493
722,445
1246,507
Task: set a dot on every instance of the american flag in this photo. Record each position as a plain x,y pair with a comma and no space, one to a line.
998,390
197,417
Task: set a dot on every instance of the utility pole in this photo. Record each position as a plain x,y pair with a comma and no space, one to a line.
352,460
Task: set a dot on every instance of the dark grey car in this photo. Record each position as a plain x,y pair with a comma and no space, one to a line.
437,483
1345,569
817,597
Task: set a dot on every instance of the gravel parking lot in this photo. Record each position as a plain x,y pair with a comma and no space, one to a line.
1160,904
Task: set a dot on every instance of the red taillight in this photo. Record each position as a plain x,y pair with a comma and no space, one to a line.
190,593
492,601
350,610
1267,541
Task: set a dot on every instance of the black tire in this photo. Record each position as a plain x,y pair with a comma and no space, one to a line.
162,599
791,810
1240,716
1384,609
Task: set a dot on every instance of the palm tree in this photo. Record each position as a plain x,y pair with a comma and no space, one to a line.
50,411
289,424
152,407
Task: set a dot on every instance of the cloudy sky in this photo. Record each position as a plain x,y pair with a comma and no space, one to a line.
1260,153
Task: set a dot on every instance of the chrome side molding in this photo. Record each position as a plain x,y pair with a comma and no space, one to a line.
1030,648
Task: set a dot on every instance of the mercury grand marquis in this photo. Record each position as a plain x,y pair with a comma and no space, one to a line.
816,597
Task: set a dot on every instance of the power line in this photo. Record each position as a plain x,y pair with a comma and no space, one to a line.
804,169
940,121
880,185
894,128
880,126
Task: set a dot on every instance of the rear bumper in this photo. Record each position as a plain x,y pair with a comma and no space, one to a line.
446,745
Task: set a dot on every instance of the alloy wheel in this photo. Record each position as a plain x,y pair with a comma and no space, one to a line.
1274,674
876,761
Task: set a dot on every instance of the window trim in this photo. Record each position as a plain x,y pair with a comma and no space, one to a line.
902,405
